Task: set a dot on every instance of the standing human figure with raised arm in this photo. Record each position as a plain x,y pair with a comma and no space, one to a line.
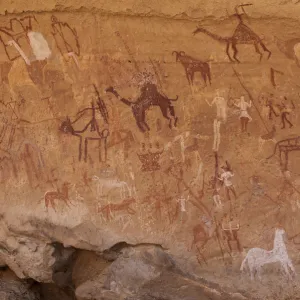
221,106
244,115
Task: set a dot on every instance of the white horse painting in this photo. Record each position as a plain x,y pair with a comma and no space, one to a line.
125,190
257,257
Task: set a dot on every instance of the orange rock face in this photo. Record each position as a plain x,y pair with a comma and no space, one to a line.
173,124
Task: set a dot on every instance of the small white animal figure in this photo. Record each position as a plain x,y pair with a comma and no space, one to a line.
257,257
111,183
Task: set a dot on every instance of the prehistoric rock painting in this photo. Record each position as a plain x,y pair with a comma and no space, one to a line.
285,147
230,229
177,172
66,39
242,35
270,104
279,106
290,48
221,117
120,137
128,50
258,190
125,205
244,116
149,156
181,138
268,137
149,96
31,156
257,257
18,153
192,65
21,36
111,183
91,131
202,233
62,194
142,178
182,201
272,76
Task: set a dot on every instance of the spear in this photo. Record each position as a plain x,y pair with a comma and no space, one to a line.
250,96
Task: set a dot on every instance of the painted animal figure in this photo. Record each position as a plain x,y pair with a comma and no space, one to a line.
192,65
256,258
63,195
112,183
94,134
286,146
149,97
122,206
242,35
202,233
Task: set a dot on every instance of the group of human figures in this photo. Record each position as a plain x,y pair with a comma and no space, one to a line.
277,106
221,104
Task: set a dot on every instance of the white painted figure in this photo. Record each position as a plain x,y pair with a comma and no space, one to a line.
73,55
217,199
182,201
244,115
39,45
125,191
257,257
221,106
181,138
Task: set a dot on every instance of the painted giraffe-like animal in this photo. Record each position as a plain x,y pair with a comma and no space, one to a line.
242,35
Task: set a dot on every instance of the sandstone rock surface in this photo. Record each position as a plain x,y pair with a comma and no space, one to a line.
168,126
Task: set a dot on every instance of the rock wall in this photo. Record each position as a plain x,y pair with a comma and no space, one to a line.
172,124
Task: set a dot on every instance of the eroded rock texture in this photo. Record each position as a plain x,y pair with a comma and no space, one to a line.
160,138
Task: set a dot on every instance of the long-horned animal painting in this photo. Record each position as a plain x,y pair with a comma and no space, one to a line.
242,35
62,194
192,65
90,132
149,96
256,258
